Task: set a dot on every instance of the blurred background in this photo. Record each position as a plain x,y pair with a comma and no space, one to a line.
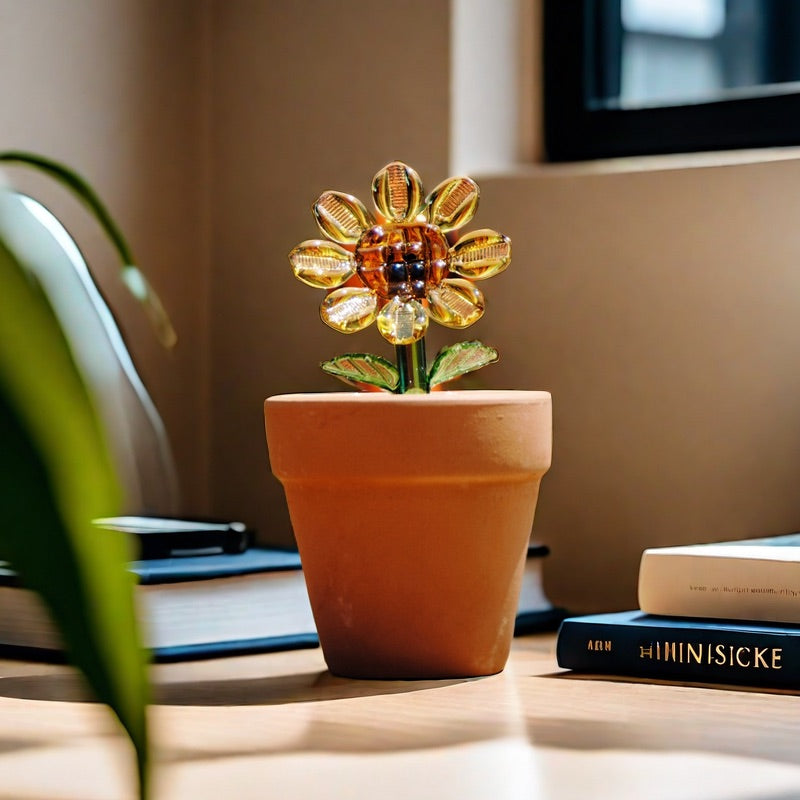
656,297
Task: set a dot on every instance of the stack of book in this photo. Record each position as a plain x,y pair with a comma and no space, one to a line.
726,612
205,591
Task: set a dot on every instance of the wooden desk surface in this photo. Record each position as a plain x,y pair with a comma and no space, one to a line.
279,726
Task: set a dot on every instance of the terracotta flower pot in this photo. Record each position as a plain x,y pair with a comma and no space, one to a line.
412,515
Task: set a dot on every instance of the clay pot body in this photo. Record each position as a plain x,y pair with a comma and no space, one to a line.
412,515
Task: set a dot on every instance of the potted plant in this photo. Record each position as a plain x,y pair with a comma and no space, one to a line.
412,507
58,476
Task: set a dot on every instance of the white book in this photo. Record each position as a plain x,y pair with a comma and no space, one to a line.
753,579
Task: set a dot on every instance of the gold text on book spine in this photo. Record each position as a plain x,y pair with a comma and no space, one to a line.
721,655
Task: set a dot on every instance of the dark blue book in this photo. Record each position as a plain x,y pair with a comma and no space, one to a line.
631,643
191,607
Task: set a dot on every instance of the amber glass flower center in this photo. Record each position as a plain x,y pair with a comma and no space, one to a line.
404,259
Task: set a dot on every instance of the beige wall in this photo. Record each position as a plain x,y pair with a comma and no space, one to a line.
660,307
306,97
113,88
656,299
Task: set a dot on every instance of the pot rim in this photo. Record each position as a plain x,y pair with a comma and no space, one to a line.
465,397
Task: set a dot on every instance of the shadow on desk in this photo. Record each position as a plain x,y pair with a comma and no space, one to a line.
375,717
629,714
279,689
747,740
67,686
722,687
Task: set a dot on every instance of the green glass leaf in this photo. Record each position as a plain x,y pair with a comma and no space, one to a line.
458,359
57,477
132,276
363,368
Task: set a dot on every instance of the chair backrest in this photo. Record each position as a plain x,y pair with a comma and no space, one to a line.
135,431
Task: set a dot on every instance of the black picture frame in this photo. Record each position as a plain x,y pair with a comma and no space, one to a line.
574,131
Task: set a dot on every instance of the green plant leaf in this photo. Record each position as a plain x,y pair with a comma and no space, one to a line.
458,359
132,276
57,477
363,370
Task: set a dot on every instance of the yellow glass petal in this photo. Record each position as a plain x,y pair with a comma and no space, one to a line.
453,203
342,217
456,303
323,265
403,321
397,191
480,254
349,309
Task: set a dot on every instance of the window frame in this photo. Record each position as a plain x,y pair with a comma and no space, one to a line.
575,132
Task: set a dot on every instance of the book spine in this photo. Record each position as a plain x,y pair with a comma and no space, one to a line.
759,658
719,587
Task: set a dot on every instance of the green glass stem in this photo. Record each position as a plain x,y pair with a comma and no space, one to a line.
412,367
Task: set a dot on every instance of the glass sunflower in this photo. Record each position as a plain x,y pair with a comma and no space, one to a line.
396,266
